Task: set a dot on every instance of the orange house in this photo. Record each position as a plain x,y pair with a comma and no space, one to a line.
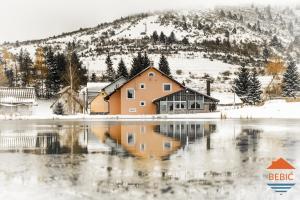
136,96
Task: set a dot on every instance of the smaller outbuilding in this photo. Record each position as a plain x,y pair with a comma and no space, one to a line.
68,102
227,99
17,101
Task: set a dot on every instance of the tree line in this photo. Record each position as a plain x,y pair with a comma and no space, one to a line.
48,73
247,86
139,62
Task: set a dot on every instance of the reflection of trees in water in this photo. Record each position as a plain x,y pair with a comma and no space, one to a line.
74,140
247,139
71,139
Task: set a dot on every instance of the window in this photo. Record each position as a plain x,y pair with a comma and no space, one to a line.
163,106
130,139
142,147
142,86
170,106
130,94
180,105
151,74
142,103
132,110
167,145
167,87
196,102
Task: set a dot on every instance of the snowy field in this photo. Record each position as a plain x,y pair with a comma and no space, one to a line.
271,109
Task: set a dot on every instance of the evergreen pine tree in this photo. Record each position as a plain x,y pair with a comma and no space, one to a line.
136,64
110,72
122,70
80,72
93,77
290,82
139,63
25,64
162,37
241,83
58,109
254,92
266,54
53,75
145,61
10,77
59,70
155,37
164,65
172,38
185,41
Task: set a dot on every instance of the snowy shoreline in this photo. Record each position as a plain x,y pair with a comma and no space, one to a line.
275,109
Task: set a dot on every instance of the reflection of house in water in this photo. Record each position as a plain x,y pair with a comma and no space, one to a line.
139,140
186,131
152,140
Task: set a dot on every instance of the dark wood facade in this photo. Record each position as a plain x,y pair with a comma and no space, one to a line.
185,101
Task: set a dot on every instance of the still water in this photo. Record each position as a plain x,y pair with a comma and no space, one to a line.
222,159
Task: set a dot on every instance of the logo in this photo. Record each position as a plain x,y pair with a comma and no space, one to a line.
281,176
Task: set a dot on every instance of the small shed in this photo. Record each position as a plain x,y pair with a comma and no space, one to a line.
18,101
227,99
70,101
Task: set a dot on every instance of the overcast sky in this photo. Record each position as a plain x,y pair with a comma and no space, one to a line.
34,19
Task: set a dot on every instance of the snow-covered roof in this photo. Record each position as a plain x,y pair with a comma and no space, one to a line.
227,98
11,96
96,86
93,89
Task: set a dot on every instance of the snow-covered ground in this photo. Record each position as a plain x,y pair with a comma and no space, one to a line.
271,109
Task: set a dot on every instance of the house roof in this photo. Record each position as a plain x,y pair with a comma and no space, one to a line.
10,95
97,86
105,89
169,77
186,89
122,77
92,89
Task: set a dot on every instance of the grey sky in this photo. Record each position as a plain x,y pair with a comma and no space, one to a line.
34,19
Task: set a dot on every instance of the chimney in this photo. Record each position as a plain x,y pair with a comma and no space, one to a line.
208,87
151,63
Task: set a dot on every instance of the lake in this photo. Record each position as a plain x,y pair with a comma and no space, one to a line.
207,159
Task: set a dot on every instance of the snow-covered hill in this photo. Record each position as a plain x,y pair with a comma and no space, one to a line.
219,40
